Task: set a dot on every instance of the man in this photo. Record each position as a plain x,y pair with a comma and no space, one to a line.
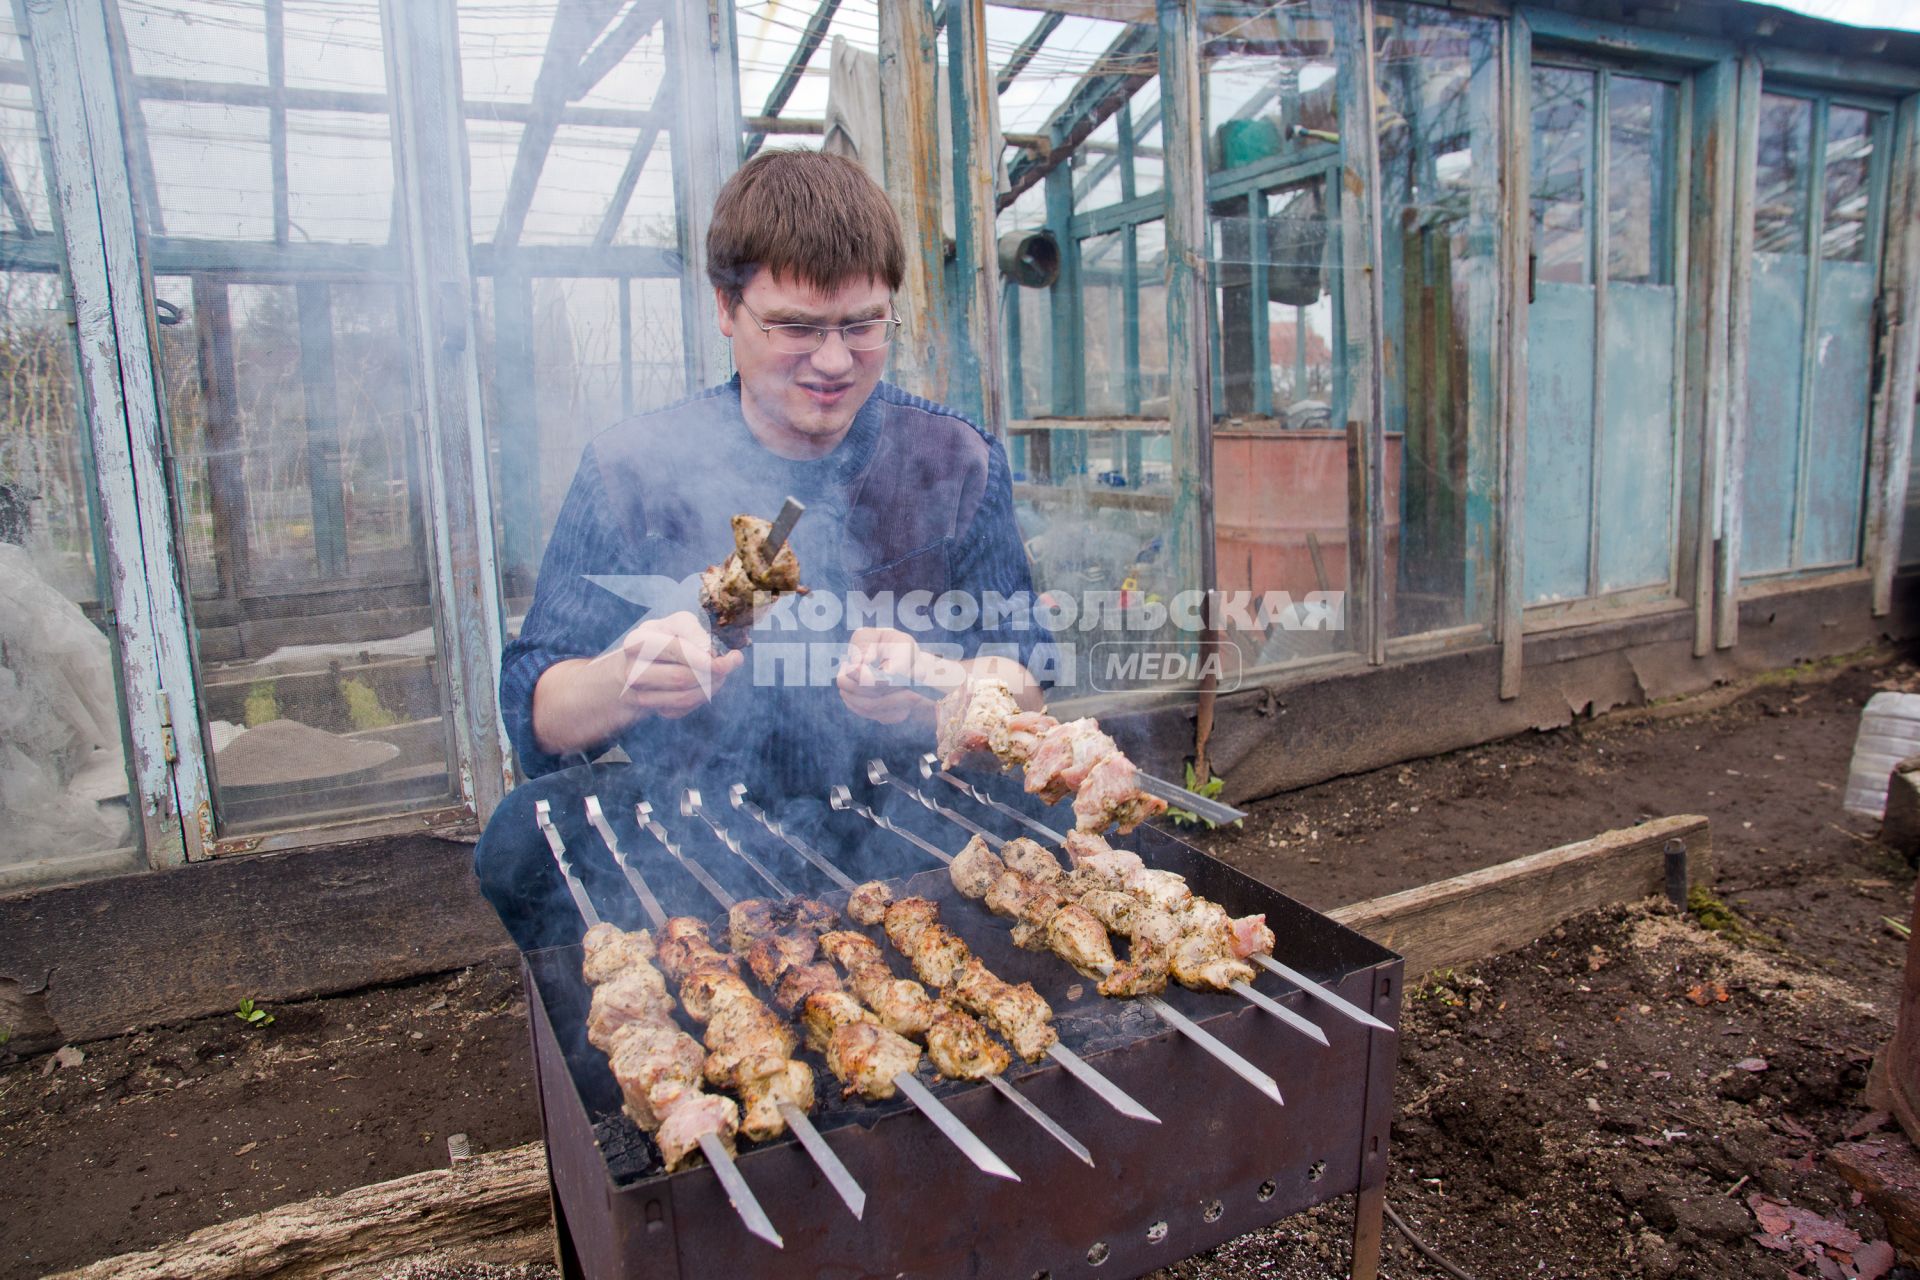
804,254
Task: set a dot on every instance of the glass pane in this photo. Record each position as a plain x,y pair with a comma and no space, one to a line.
65,793
1281,390
1562,143
1440,198
288,392
1849,167
1640,180
1781,174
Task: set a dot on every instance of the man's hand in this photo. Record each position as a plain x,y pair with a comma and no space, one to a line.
662,667
883,650
668,667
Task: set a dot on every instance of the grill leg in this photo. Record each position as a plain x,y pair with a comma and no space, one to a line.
1367,1222
565,1260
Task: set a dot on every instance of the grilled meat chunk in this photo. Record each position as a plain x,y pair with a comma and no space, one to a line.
905,918
823,1011
967,719
609,949
1077,937
1032,860
1152,936
1061,761
752,919
679,1134
1252,937
1162,889
685,950
974,868
1204,961
865,1057
1014,741
1110,794
868,903
901,1005
636,994
803,981
745,584
772,955
1112,909
1017,1013
937,955
646,1058
850,950
961,1049
764,1081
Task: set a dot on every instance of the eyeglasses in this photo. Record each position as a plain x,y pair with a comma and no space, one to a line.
802,339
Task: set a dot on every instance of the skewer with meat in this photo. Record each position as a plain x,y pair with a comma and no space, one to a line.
745,585
1171,931
749,1047
1060,759
655,1063
959,1046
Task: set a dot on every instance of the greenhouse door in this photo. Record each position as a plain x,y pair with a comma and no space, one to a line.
1820,180
1602,391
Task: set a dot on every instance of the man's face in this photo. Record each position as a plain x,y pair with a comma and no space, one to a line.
800,406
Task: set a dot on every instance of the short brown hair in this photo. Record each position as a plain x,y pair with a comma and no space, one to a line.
807,215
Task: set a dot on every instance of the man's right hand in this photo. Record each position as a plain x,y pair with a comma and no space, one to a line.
668,668
663,667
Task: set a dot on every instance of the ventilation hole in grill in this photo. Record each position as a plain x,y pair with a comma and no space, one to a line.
1043,1275
1156,1233
1386,987
1317,1171
1213,1211
1098,1254
1265,1193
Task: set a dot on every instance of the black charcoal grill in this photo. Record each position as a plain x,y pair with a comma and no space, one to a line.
1224,1161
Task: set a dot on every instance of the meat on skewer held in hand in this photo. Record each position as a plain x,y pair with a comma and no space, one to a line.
741,588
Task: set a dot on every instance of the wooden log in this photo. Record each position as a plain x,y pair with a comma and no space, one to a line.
1887,1172
487,1200
1500,908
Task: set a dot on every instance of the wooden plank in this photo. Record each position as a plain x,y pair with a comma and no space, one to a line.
1500,908
575,26
423,53
1364,337
1841,71
1116,75
1893,425
1620,38
1146,426
1516,164
976,355
1190,531
322,423
276,33
227,494
910,147
481,1203
1024,52
1730,492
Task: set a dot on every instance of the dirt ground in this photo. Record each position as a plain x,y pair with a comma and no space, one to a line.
1633,1096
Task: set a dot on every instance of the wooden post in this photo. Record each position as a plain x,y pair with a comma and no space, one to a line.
910,142
1516,173
423,66
1707,322
706,151
315,302
1892,449
1733,459
976,384
1190,538
226,448
92,195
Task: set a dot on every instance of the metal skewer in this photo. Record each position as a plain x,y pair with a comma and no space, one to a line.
1006,1090
843,799
1076,1066
930,767
816,1146
543,815
691,807
739,1194
944,1120
737,794
877,773
643,814
790,512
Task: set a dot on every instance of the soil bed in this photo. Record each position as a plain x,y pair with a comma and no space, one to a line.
1585,1108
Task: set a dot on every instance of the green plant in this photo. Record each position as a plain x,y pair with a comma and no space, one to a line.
364,708
1904,930
1716,916
262,704
1212,787
6,1034
252,1014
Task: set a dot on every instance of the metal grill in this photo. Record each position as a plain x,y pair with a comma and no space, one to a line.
1224,1160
